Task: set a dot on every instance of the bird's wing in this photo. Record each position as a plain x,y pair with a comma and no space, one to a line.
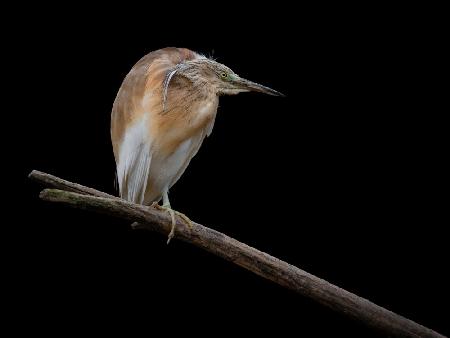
133,165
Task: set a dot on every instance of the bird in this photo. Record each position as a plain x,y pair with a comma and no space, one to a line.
165,108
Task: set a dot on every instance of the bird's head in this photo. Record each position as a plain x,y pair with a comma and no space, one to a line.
220,79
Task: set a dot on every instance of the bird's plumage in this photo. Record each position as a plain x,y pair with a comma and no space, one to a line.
153,144
163,111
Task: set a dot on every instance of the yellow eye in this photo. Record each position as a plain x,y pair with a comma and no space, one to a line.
223,75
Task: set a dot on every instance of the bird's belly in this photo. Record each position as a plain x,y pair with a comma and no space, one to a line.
166,169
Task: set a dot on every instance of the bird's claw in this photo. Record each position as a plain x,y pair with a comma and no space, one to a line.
172,216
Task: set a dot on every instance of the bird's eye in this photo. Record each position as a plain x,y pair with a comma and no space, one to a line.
223,75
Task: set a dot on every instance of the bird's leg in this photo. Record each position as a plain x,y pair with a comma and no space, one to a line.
166,206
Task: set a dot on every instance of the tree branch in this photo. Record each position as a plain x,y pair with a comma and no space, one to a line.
262,264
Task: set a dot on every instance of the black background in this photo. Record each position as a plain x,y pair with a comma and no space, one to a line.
342,178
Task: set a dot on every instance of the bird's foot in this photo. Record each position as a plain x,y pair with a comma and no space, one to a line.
172,216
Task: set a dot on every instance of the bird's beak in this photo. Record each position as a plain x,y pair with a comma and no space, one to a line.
247,85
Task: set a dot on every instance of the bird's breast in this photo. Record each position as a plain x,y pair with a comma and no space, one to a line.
166,168
185,123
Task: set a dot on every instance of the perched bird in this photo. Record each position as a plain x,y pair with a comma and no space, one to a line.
164,109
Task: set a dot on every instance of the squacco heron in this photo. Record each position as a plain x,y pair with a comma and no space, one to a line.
164,109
